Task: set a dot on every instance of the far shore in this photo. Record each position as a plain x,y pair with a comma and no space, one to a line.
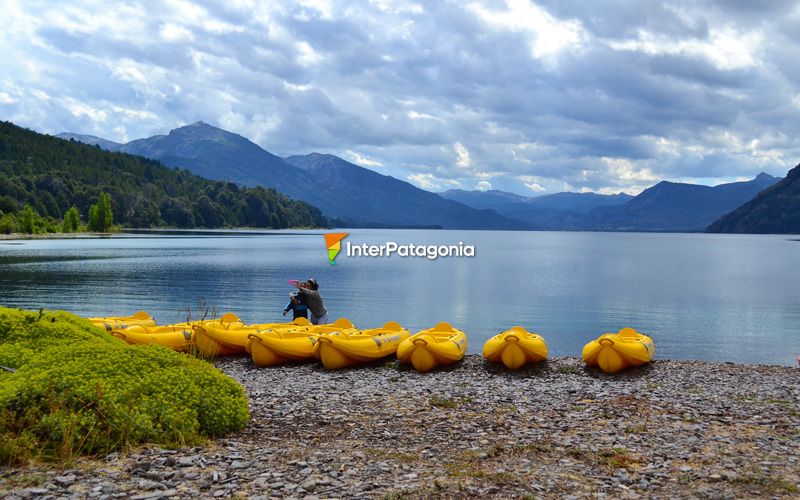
54,236
127,232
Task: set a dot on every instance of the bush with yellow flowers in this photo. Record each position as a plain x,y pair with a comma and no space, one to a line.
76,390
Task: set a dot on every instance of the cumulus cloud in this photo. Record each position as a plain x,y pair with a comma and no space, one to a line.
362,160
524,96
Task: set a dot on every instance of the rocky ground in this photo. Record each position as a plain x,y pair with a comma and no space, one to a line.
671,429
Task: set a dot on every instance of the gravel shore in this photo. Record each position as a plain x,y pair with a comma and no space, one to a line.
558,430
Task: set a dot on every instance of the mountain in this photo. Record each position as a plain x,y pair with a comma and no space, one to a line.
510,203
492,199
672,206
552,211
218,154
774,210
352,194
375,197
52,174
91,140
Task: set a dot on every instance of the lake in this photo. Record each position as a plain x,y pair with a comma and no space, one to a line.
700,296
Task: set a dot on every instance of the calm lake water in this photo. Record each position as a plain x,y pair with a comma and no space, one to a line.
711,297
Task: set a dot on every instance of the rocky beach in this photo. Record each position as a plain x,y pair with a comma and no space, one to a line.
558,430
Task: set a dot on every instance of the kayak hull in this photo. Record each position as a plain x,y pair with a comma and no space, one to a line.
427,349
612,352
515,348
275,347
340,349
207,339
179,336
110,323
230,336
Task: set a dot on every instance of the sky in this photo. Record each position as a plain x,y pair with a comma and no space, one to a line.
533,98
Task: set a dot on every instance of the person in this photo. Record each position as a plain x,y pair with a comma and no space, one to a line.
310,291
298,305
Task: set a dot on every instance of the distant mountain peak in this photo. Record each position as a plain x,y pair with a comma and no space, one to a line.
200,125
763,176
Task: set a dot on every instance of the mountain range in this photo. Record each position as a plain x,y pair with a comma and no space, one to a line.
667,206
350,195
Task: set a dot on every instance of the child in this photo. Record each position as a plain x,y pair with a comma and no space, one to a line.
298,305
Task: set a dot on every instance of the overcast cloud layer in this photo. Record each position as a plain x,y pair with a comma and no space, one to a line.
529,97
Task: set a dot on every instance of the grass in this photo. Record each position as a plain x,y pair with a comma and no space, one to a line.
24,480
755,478
570,369
615,458
635,429
442,402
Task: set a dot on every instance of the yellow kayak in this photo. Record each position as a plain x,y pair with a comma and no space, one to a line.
225,338
208,336
614,351
140,318
177,336
515,347
276,347
282,343
344,347
297,325
440,345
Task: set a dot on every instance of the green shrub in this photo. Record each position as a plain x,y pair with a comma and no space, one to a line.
78,390
8,223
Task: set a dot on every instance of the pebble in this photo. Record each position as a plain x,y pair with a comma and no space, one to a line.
671,429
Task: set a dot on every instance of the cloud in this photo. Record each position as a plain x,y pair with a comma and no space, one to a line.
432,183
462,155
362,160
532,182
569,95
484,186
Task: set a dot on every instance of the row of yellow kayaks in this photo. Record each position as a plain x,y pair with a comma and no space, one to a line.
341,344
611,352
336,345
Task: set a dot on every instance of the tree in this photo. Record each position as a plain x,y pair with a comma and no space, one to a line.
274,223
8,205
72,220
8,224
100,216
28,223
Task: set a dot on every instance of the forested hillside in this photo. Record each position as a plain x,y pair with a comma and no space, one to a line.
52,174
775,210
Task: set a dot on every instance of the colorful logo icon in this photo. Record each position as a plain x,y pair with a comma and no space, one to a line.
334,243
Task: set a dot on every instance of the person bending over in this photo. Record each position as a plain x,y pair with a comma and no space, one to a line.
310,291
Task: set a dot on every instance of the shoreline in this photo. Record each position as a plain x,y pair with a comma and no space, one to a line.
54,236
668,429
